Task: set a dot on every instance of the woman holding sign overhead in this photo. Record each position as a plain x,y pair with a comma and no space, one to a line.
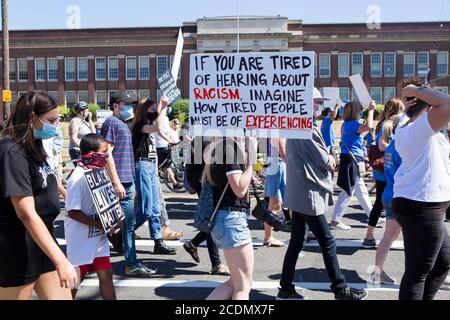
30,258
352,165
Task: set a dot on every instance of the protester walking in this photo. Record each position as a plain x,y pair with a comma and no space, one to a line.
81,125
30,258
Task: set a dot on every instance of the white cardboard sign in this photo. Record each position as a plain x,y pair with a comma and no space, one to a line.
333,95
361,90
252,94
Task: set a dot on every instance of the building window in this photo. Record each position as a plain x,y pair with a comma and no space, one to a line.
389,93
22,68
354,96
39,69
144,68
71,98
442,63
100,98
315,65
133,94
343,65
324,65
376,63
83,96
357,63
409,64
52,69
12,70
83,71
161,65
344,94
70,67
377,94
443,89
113,68
423,64
131,68
100,69
53,94
389,64
110,93
144,94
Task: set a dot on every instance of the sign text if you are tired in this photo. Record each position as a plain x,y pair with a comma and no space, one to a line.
252,94
105,198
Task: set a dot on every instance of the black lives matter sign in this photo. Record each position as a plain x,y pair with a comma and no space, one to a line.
252,94
169,87
106,201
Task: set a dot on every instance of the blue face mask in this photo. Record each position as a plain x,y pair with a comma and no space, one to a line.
48,131
126,112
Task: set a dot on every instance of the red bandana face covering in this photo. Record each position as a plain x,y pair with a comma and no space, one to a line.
94,160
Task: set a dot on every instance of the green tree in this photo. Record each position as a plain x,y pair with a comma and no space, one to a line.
181,110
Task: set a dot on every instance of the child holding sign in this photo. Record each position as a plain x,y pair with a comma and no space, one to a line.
87,244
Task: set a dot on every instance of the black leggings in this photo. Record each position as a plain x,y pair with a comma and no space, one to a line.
427,247
378,205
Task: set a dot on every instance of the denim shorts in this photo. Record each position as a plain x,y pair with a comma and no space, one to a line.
275,184
388,208
230,229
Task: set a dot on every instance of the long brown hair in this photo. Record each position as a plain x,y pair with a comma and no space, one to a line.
140,112
352,110
19,126
392,108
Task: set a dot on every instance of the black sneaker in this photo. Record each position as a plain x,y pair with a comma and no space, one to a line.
162,248
350,294
369,244
116,242
285,294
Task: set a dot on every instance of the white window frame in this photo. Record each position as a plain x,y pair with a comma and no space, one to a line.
147,58
36,69
362,62
110,78
385,95
372,64
446,63
158,74
79,94
110,93
74,69
348,93
18,69
106,97
143,96
135,67
329,65
348,65
12,63
65,97
79,70
48,69
381,94
414,64
428,61
395,65
96,67
133,94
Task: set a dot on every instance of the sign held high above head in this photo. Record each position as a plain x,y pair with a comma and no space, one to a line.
252,94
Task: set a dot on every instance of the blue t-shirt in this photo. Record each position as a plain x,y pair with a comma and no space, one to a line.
369,139
117,132
392,162
351,139
327,131
379,176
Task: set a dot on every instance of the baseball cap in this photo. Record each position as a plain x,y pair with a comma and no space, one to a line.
121,97
317,96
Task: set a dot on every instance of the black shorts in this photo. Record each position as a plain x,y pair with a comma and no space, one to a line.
163,155
21,260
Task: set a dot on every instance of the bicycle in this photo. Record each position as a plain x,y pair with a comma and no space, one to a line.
176,163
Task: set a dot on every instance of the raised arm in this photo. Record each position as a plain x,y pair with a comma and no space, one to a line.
368,125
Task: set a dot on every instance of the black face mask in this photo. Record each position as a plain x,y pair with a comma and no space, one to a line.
151,116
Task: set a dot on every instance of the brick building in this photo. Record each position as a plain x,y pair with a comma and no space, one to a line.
91,64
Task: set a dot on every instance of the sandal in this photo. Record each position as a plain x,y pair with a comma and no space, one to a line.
274,244
173,235
192,250
220,270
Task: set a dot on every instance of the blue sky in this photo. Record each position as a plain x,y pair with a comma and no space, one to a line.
51,14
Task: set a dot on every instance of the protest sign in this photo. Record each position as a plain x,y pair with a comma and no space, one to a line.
168,87
333,95
252,94
361,90
177,58
102,115
105,198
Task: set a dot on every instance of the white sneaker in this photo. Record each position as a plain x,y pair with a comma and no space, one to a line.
446,285
339,226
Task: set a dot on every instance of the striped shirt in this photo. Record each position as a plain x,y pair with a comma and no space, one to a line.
116,131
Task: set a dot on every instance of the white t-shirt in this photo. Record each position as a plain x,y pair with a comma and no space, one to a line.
424,174
84,243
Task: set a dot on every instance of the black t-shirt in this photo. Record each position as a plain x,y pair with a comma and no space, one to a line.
220,173
143,143
21,176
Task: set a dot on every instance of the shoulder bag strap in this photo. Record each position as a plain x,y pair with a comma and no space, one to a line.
220,201
350,152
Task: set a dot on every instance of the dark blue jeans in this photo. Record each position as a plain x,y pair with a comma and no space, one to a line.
319,226
129,223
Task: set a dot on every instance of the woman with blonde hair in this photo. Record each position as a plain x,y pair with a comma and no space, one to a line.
351,163
392,110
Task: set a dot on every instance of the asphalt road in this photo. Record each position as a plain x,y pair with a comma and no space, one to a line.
180,278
